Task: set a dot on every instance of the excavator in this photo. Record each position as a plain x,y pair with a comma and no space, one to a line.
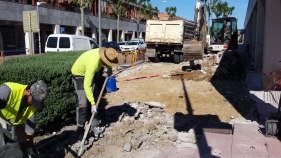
181,40
223,35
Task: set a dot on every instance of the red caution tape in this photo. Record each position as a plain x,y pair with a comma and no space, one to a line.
140,77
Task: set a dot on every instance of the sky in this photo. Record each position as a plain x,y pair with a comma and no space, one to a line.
185,8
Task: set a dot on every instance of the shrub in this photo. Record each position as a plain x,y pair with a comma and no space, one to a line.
55,70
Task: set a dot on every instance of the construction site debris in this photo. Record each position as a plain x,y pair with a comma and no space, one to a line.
140,77
155,104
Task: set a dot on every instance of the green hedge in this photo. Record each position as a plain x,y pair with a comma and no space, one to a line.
55,70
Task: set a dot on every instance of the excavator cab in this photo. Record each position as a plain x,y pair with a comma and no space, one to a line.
223,34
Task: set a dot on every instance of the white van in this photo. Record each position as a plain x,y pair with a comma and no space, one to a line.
65,42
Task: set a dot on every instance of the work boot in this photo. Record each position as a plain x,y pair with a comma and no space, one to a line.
95,129
96,132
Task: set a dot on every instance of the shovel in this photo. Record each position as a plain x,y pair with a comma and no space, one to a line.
88,126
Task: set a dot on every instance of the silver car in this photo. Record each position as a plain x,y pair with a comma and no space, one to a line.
135,44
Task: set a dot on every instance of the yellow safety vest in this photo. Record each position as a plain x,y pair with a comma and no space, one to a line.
11,111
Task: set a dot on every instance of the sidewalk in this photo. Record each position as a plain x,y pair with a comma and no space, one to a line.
246,142
247,139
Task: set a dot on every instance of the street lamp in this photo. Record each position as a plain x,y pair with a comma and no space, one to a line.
39,40
99,3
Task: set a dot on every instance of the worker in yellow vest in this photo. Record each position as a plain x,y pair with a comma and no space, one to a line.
18,104
84,72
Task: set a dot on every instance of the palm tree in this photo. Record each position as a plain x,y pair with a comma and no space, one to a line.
150,10
147,10
156,9
171,11
218,8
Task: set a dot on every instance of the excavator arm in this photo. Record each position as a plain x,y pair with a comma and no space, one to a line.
194,48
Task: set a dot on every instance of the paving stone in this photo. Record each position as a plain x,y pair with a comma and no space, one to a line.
174,152
273,147
248,141
214,145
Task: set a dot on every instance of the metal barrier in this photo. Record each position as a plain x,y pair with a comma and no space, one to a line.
138,54
12,53
15,51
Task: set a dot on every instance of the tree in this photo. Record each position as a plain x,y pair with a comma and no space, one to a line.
146,9
171,11
210,6
82,4
218,8
143,6
156,9
222,9
119,9
226,10
150,10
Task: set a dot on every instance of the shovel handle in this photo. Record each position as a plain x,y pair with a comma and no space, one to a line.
91,119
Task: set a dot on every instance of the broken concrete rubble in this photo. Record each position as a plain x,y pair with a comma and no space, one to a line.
131,131
155,104
136,130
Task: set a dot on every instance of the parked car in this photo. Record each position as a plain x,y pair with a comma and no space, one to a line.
135,44
65,43
122,43
111,44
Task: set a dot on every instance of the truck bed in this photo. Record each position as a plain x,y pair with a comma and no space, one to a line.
160,31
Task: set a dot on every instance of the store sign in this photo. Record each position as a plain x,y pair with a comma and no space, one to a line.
30,21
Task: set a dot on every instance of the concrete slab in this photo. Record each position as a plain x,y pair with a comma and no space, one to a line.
272,97
247,132
248,141
257,96
214,145
174,152
273,147
250,150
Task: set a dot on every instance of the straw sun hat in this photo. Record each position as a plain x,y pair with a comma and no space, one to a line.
109,56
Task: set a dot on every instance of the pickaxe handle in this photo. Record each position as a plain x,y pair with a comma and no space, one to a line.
91,119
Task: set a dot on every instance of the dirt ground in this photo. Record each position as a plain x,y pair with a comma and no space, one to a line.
213,93
191,93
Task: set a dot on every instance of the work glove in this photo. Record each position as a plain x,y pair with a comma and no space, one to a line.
105,74
93,108
31,153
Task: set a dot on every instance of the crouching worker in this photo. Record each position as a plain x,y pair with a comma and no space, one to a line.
84,71
18,104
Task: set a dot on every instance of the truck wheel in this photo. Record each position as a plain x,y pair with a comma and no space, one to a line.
176,58
181,59
156,59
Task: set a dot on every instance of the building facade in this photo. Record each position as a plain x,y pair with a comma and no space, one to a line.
262,40
62,16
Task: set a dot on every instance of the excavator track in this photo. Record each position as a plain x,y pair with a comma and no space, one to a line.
193,50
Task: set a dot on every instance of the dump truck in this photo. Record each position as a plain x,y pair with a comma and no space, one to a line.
182,40
171,41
